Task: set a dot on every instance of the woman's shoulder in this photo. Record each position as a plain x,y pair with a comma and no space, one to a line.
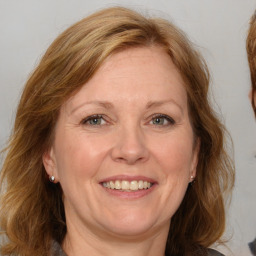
212,252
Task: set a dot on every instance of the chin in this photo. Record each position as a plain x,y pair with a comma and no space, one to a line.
131,225
131,231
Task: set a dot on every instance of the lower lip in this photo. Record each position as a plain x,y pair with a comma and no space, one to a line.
130,195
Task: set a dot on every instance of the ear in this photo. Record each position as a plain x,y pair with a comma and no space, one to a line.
49,162
195,159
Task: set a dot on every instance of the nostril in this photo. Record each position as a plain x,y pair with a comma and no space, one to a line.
130,146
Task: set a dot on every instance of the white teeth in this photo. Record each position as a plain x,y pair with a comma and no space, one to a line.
118,184
141,184
134,185
127,185
112,184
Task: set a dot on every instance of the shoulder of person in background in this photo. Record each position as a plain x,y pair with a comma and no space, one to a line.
252,246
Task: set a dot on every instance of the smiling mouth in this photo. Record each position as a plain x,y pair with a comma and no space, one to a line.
127,186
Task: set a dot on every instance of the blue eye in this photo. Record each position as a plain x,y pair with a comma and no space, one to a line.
93,120
162,120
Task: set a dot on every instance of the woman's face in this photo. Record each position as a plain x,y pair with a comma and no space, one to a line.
124,148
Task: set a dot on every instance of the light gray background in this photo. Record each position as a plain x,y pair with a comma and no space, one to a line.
218,27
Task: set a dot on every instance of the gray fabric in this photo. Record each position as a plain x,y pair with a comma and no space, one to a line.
57,251
212,252
252,246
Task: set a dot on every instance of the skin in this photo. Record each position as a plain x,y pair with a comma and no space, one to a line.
130,140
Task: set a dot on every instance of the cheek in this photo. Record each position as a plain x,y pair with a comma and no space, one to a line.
175,159
79,155
175,156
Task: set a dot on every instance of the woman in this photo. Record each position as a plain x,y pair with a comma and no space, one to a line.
116,116
251,54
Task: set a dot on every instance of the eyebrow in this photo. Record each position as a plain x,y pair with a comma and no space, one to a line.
108,105
104,104
152,104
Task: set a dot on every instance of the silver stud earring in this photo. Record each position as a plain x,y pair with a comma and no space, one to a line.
52,179
192,178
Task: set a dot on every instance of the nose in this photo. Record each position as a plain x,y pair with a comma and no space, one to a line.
130,146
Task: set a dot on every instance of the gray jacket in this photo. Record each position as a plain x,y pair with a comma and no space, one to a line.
57,251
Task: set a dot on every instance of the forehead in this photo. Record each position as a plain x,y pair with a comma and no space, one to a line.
145,72
140,59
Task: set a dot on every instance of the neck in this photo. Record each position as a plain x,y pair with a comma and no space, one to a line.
80,244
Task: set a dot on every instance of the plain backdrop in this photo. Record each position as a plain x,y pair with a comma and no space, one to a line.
217,27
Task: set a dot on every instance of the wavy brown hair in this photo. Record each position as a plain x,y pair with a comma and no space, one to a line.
251,54
32,211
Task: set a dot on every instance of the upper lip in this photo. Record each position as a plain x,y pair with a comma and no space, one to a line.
128,178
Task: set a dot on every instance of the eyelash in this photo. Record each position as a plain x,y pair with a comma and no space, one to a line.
170,120
86,120
167,118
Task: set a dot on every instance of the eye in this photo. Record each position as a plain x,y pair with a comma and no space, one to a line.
94,120
162,120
